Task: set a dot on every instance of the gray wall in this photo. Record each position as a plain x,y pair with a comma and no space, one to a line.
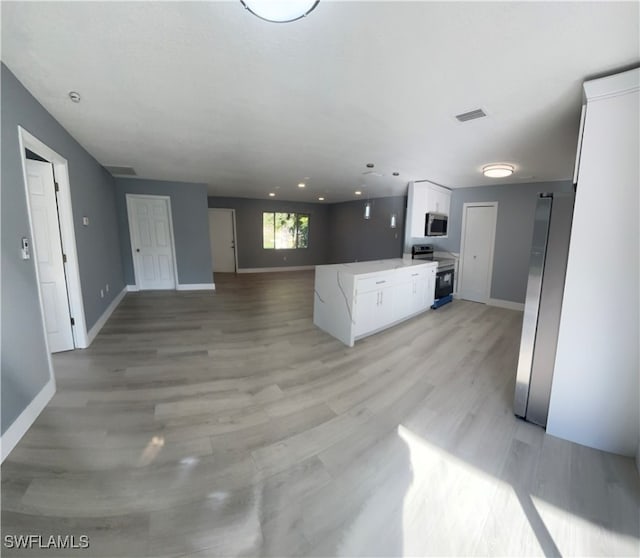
190,226
354,238
514,231
24,358
251,254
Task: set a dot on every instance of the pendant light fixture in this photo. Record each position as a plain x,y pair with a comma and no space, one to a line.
367,210
394,221
280,11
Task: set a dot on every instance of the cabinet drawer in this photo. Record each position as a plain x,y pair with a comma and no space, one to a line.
381,281
411,273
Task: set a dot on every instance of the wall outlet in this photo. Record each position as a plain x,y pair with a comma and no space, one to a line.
101,293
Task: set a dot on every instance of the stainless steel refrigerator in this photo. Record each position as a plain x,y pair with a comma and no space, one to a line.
547,270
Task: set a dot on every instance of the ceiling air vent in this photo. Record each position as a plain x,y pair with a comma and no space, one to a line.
471,115
121,171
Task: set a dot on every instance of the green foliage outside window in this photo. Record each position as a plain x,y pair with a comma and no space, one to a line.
285,231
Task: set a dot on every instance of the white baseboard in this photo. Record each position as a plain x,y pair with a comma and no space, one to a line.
93,332
182,287
275,269
508,304
196,287
18,429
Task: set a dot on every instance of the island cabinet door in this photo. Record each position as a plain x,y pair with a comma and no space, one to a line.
430,287
411,293
373,304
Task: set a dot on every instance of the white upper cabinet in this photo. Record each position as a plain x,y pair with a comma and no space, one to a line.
423,198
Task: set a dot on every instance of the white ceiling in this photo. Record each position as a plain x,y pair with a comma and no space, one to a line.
207,92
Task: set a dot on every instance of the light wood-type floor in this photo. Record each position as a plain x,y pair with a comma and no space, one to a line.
226,424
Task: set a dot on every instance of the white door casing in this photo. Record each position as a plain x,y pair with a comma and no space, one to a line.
477,250
222,240
48,253
16,430
67,230
152,242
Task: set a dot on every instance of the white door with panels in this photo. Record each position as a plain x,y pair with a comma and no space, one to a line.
222,240
476,258
152,241
49,257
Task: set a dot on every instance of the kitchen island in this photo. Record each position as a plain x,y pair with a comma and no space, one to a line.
353,300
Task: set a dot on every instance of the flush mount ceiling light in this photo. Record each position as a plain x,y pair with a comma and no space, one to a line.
271,194
301,185
320,198
358,193
498,170
74,96
280,11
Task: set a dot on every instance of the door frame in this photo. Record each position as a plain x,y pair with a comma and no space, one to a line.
67,235
136,265
235,236
465,206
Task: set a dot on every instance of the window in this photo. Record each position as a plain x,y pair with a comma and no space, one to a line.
285,230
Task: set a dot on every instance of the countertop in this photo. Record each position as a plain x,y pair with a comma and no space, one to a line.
375,266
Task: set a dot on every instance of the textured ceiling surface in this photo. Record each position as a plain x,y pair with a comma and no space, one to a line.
207,92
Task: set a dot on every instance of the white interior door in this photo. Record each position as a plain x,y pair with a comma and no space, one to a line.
151,242
478,239
48,251
223,245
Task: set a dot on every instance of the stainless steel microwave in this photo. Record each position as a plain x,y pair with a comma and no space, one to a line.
435,224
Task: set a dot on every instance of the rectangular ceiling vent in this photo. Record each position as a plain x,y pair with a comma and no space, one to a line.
471,115
121,171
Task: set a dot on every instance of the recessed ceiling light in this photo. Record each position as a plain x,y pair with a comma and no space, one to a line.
370,165
320,198
301,185
358,192
498,170
271,194
396,174
74,96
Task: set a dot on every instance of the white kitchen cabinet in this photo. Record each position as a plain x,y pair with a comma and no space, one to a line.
425,197
354,300
431,286
412,291
440,200
373,310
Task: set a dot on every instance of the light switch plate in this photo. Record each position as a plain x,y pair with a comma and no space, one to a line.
85,221
25,251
